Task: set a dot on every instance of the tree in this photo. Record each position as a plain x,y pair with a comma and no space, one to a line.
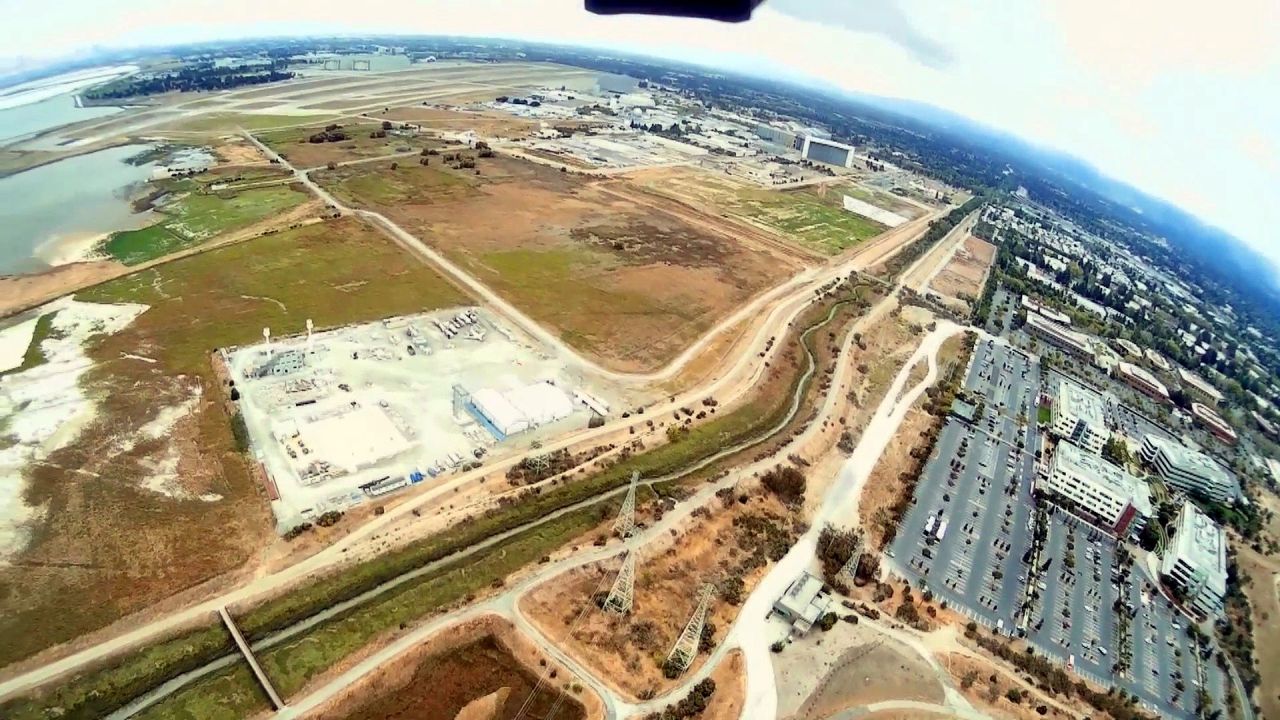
386,124
395,166
786,482
1149,538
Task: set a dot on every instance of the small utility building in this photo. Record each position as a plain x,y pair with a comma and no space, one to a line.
803,603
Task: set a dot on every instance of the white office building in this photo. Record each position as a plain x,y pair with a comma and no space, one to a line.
1097,489
1188,470
1195,561
1060,336
1078,417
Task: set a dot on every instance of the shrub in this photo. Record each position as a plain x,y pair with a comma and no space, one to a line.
786,482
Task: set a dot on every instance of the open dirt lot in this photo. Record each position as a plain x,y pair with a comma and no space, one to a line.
449,672
294,146
893,478
848,667
152,496
626,282
1264,599
728,547
962,277
988,687
484,123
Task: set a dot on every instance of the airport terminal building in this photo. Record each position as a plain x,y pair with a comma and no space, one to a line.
1188,470
1095,488
1196,561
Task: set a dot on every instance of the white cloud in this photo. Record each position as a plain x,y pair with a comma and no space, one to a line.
1178,98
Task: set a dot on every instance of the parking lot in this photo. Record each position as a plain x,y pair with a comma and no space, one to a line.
969,525
967,535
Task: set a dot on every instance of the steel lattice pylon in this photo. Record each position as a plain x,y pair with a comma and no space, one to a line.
850,568
619,600
626,522
686,647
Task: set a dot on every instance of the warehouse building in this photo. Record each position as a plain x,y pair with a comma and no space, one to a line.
1214,423
1059,336
1097,490
515,411
1188,470
1195,562
1142,381
827,151
776,135
1078,417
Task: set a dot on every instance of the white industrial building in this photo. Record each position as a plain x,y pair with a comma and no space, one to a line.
827,151
349,440
524,408
1117,500
1188,470
1195,561
1078,417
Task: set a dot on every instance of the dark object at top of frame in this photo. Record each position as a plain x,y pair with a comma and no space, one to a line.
723,10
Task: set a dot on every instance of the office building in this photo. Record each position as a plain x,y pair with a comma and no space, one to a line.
1059,336
1142,381
1195,561
1199,388
1078,417
1097,490
1188,470
827,151
1213,422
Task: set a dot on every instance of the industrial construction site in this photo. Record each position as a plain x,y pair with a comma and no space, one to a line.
339,416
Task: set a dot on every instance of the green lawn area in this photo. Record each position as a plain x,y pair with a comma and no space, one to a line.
1044,415
35,355
196,216
337,272
816,222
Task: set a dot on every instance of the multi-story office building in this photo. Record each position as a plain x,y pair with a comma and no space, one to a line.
1195,561
1214,423
1060,336
1098,490
1199,388
1142,381
1078,417
1188,470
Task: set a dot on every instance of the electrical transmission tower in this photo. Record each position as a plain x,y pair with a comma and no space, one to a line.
850,569
626,522
619,600
686,647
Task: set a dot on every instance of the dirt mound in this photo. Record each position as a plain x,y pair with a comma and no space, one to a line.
489,707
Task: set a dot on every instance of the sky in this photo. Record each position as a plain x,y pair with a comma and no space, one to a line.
1177,97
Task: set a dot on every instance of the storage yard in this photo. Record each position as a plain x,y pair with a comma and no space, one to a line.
366,410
